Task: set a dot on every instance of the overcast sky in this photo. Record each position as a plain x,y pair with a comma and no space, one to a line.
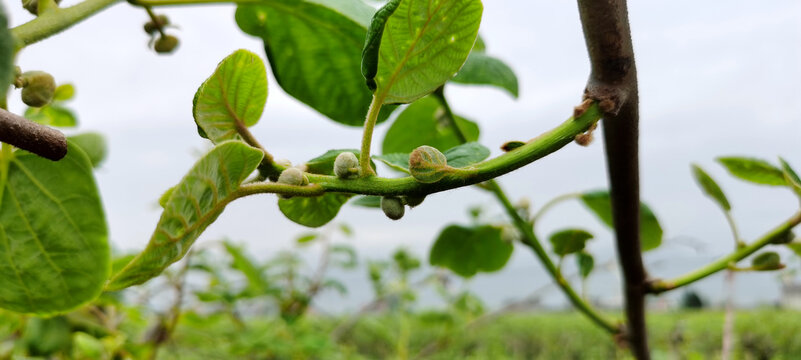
715,79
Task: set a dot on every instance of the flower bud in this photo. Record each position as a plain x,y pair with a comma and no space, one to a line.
166,44
392,207
428,165
292,176
346,166
413,201
151,27
38,88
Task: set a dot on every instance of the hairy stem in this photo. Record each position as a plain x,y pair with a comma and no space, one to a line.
660,286
56,21
28,135
367,137
613,83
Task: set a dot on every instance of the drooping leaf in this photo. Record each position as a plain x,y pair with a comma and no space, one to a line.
651,232
6,54
569,241
425,123
754,170
93,144
469,250
52,115
710,187
466,154
53,235
396,161
233,97
369,201
314,48
586,263
313,211
791,176
414,47
767,261
324,164
198,199
482,69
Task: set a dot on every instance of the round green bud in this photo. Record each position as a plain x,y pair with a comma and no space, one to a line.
166,44
428,165
292,176
346,166
392,207
38,88
413,201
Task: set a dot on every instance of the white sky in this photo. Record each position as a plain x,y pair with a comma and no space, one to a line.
715,79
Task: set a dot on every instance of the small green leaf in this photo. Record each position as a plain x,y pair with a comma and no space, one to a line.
314,48
397,161
466,154
6,54
791,176
586,263
795,246
369,201
64,92
344,256
313,211
425,123
470,250
93,144
165,197
324,164
414,47
53,235
651,232
198,199
767,261
233,97
247,267
482,69
52,115
569,241
754,170
428,165
711,187
306,238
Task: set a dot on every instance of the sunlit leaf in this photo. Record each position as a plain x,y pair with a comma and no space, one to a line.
710,187
754,170
569,241
469,250
198,199
64,92
482,69
53,235
414,47
600,204
233,97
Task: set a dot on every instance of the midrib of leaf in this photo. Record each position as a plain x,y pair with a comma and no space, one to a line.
238,123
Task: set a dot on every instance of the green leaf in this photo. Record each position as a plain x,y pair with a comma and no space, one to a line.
466,154
586,263
93,144
767,261
469,250
336,285
196,202
324,164
233,97
344,256
482,69
791,176
795,246
306,238
165,197
569,241
414,47
397,161
754,170
6,54
314,48
52,115
425,123
313,211
710,187
369,201
247,267
53,235
651,232
64,92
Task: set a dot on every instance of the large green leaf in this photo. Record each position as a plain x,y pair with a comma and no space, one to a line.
711,187
314,48
233,97
569,241
650,230
424,123
6,54
791,176
313,211
754,170
469,250
93,144
54,247
415,46
193,205
482,69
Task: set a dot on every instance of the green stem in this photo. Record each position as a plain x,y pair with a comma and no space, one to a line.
530,240
56,21
738,242
553,202
440,95
367,137
660,286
